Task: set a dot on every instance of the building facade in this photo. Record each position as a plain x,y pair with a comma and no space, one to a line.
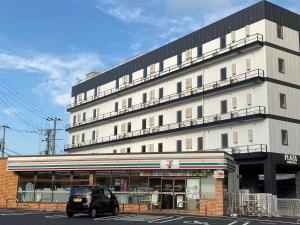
231,86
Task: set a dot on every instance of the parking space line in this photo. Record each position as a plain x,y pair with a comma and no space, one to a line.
234,222
168,220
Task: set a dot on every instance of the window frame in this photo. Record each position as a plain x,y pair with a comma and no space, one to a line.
283,104
284,134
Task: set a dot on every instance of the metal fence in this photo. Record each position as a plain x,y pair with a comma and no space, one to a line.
288,207
246,204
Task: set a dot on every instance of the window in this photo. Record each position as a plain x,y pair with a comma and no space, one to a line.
224,140
233,36
74,119
129,127
116,106
151,148
143,148
94,113
82,137
224,106
73,140
115,151
279,31
199,81
161,66
117,83
179,87
250,136
128,150
144,97
223,73
223,42
249,99
188,143
124,103
234,102
248,64
179,146
233,69
179,116
151,121
281,67
160,147
161,93
247,30
145,72
160,120
83,116
93,135
188,113
152,94
144,124
188,54
130,78
115,130
199,51
284,137
129,103
179,59
199,111
282,98
200,143
188,83
235,138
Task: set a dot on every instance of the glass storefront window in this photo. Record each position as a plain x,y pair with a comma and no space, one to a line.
208,186
80,178
61,186
26,187
120,183
138,183
43,187
103,178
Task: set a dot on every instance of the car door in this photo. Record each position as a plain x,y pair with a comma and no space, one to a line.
107,200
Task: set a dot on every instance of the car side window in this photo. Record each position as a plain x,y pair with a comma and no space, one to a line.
107,193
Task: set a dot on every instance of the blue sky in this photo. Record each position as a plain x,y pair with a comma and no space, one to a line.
46,45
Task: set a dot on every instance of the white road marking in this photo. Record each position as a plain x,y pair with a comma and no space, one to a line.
234,222
161,218
196,222
131,217
169,220
56,216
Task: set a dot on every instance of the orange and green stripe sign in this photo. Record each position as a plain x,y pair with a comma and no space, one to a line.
118,165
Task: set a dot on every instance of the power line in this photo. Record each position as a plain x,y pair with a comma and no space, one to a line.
31,106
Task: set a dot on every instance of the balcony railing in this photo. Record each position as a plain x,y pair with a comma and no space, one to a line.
190,123
242,149
169,98
219,51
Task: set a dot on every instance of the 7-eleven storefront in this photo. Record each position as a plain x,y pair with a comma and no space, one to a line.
189,182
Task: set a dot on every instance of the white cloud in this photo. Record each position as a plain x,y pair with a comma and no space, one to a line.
57,73
168,19
10,111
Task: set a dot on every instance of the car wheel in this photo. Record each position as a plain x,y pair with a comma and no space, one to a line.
70,214
93,213
115,211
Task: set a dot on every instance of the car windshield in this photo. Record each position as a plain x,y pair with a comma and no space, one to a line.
80,190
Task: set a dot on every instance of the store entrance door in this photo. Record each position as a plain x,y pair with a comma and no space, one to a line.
173,193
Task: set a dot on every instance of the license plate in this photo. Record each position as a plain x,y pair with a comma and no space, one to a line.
77,200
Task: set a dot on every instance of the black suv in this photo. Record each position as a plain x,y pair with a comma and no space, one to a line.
91,200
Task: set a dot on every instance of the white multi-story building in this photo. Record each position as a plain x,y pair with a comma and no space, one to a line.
231,86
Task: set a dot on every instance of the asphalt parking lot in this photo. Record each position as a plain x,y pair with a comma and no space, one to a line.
26,217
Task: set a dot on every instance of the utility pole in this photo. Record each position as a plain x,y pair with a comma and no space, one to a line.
2,141
51,136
